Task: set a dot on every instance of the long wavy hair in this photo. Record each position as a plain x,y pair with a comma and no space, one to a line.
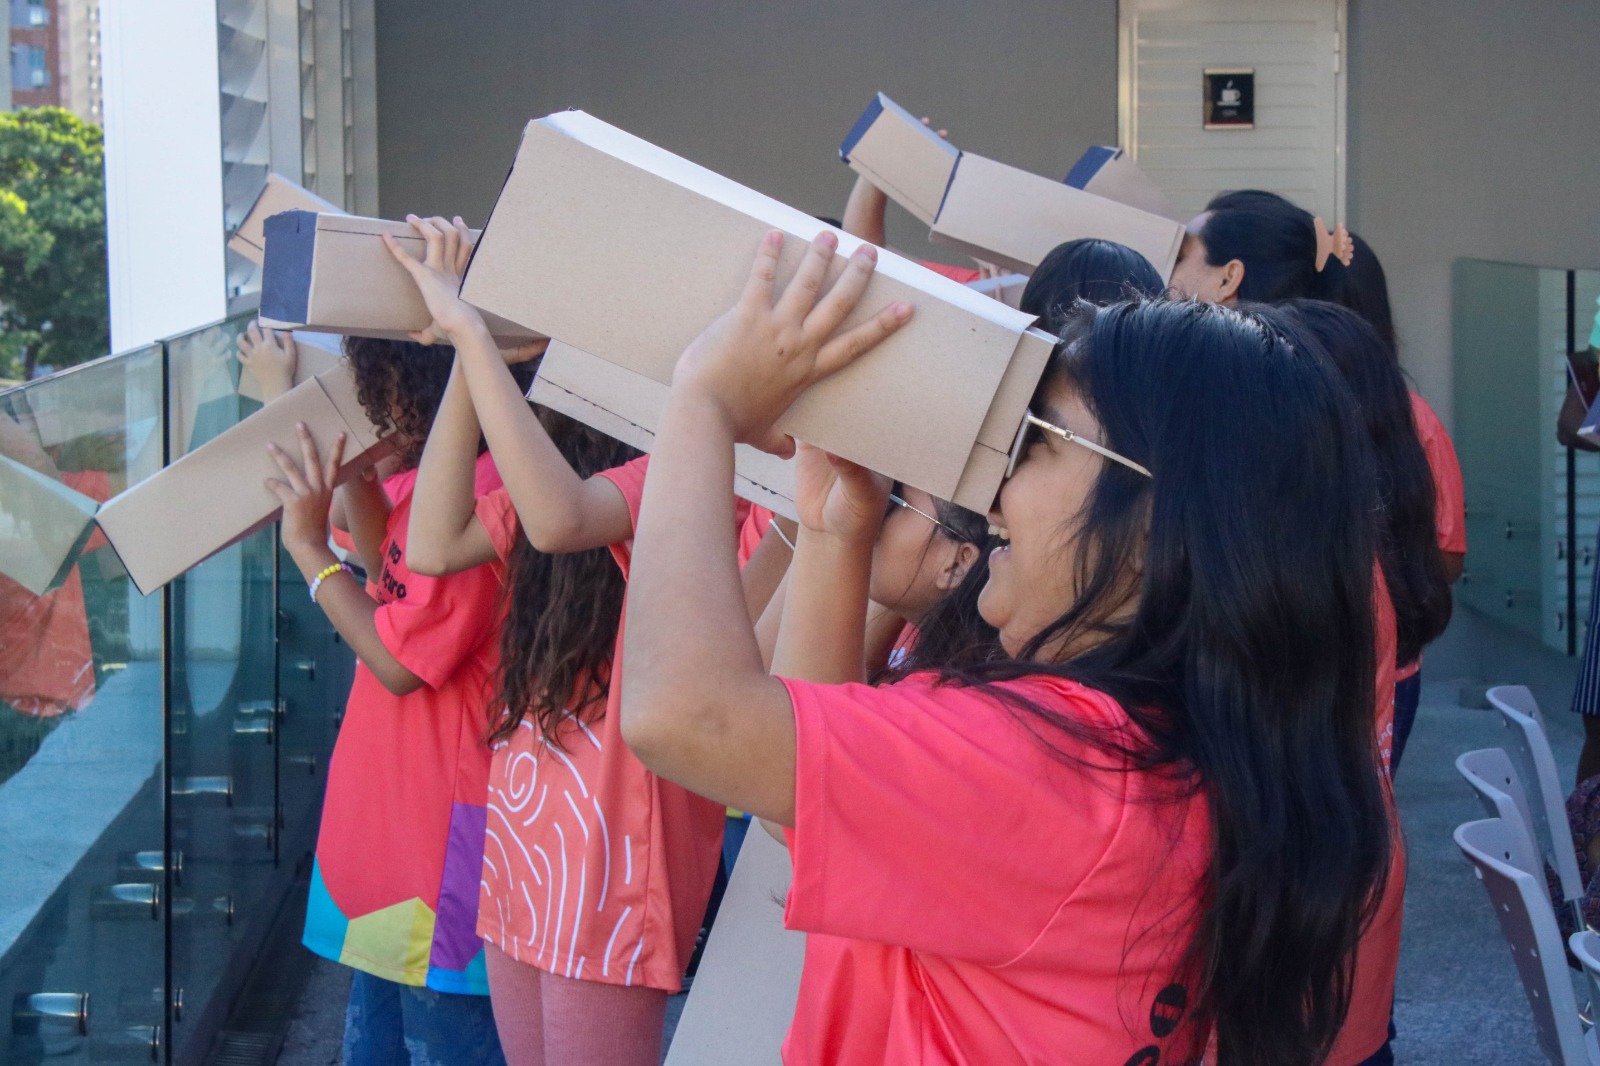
1413,568
399,385
1247,662
561,622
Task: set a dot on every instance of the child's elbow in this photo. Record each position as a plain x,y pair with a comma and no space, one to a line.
648,727
422,560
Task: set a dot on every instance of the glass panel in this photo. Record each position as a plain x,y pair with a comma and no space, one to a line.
224,722
1512,325
81,907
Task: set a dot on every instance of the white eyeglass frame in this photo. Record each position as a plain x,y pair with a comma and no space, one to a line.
1031,419
900,502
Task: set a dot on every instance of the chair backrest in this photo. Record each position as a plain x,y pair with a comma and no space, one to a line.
1529,749
1522,906
1492,776
1585,945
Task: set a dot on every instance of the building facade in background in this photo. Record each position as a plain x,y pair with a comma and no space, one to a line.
53,47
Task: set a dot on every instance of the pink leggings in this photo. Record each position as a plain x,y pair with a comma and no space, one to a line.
546,1020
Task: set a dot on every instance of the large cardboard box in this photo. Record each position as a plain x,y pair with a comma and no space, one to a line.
1110,172
626,251
744,994
216,495
333,273
277,195
628,406
992,211
44,526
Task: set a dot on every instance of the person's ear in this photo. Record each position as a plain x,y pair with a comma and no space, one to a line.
958,566
1228,284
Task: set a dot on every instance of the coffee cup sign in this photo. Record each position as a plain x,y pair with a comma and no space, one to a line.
1230,99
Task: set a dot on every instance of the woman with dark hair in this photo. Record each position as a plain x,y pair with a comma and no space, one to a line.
1101,272
394,886
1250,245
1158,814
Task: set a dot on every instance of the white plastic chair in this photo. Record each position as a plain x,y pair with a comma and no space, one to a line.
1521,904
1492,776
1585,945
1529,749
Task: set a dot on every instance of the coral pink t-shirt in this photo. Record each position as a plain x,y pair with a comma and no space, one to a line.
1450,498
971,898
595,868
394,885
1449,493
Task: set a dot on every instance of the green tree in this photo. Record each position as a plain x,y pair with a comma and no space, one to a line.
54,308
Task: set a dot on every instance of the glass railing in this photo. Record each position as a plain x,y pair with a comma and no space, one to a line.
162,756
1532,505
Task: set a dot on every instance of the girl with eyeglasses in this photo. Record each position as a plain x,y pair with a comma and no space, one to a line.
1158,813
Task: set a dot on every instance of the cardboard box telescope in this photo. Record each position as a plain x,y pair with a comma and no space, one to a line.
1108,172
627,252
279,194
331,272
215,495
992,211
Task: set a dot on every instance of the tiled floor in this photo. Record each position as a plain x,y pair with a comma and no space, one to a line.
1459,1002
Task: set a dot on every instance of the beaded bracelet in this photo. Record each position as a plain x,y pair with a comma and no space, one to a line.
316,582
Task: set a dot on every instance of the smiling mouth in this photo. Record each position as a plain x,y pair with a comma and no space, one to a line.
1000,531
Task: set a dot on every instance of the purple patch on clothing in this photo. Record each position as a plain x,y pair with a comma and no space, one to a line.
455,930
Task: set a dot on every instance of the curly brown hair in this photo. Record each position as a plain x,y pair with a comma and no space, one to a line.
561,623
400,383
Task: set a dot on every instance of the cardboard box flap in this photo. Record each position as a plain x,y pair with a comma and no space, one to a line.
1111,173
277,195
627,252
44,526
911,163
627,406
1005,215
986,466
333,273
219,488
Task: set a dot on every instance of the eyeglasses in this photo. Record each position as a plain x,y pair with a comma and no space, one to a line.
1030,420
897,501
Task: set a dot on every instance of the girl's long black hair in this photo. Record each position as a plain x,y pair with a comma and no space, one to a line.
561,622
1413,568
1248,661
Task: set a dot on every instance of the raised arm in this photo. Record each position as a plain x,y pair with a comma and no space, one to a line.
306,490
445,536
697,705
559,511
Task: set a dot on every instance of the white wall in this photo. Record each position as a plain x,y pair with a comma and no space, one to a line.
163,167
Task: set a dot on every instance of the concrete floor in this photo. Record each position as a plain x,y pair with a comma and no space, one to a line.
1458,1000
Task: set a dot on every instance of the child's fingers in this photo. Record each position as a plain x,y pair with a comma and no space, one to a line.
449,242
775,441
291,473
846,293
432,239
852,345
330,469
411,264
763,272
800,295
464,249
311,456
285,494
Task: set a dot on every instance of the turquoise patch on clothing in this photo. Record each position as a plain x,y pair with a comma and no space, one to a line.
473,981
326,925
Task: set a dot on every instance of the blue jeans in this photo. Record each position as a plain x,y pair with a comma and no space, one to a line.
1407,694
389,1024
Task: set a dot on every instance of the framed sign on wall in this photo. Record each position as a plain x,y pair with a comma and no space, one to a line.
1230,99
